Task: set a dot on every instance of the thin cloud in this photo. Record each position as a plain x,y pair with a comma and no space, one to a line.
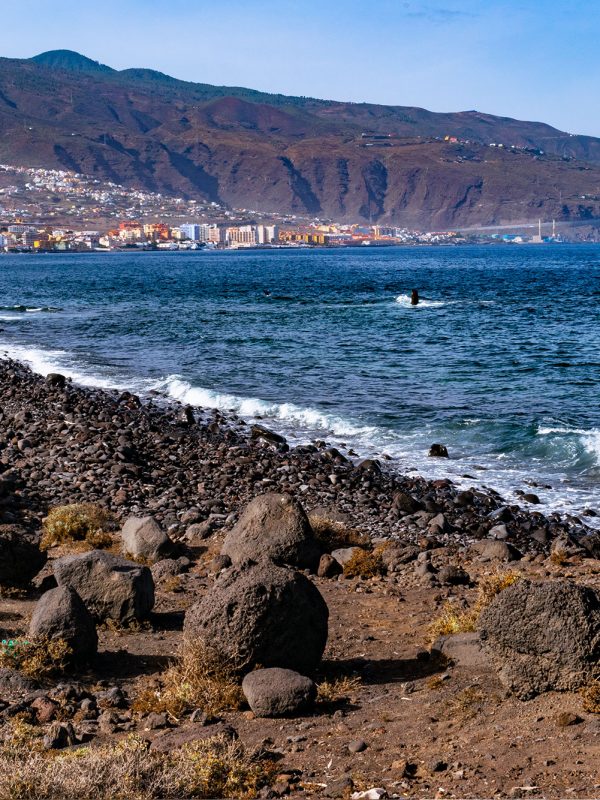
436,14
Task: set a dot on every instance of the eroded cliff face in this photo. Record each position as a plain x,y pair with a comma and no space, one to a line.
296,155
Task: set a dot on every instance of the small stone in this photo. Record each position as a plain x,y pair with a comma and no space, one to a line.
278,692
329,567
45,709
567,718
59,735
357,746
154,721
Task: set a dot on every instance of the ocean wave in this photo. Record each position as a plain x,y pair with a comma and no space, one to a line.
589,438
404,300
253,408
31,309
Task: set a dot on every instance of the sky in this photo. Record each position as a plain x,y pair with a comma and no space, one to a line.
529,59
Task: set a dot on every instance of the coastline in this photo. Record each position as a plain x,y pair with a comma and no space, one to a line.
161,457
396,707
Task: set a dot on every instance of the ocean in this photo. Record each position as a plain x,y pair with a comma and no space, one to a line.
500,361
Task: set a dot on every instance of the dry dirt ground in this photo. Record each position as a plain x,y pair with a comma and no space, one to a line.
423,728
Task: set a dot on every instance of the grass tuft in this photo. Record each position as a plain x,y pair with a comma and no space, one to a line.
337,690
129,770
365,564
467,704
559,557
591,697
39,658
334,535
80,522
199,678
453,620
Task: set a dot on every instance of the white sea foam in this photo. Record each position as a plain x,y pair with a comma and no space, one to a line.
589,438
404,300
301,424
591,442
251,407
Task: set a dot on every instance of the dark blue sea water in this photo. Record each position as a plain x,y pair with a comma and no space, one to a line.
501,362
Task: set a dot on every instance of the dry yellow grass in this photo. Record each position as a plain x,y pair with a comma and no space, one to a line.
337,690
365,563
466,704
333,535
559,557
38,658
453,620
199,678
128,770
80,522
591,697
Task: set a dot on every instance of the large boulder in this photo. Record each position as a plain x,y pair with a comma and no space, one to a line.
20,556
143,537
264,615
543,637
278,692
274,526
61,614
110,587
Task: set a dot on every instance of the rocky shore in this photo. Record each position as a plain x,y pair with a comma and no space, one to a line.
191,608
61,443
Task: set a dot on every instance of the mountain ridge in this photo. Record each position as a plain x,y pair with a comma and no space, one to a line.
245,148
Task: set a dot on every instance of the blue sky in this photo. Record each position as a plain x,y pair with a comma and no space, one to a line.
533,59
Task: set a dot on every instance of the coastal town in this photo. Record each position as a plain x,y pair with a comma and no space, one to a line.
43,210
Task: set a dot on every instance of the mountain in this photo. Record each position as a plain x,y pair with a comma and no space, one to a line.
249,149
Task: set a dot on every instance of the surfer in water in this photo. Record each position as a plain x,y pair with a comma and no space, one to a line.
414,297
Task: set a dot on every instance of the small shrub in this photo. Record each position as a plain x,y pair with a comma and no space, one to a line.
40,658
365,564
452,620
559,557
129,770
337,690
466,704
591,697
76,523
199,678
172,584
333,535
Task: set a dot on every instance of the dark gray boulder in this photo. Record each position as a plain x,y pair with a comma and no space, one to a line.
61,614
278,692
20,556
264,615
143,537
543,637
110,587
273,526
495,550
438,451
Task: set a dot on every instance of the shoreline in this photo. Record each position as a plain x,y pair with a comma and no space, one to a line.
159,456
408,697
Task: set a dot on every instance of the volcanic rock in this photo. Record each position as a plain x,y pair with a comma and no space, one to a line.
273,526
20,556
495,550
110,587
278,692
144,538
543,637
61,614
438,451
263,615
